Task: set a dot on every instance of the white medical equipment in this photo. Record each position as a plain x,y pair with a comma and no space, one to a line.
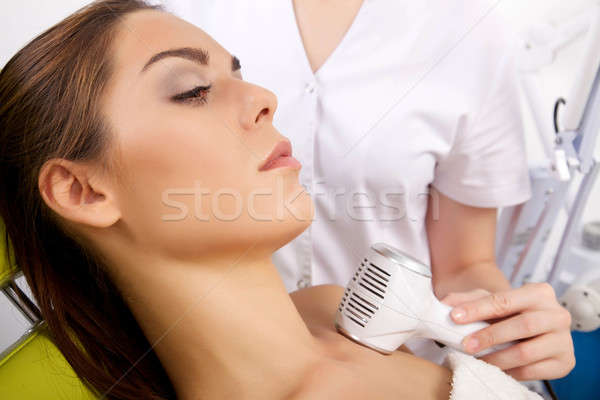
523,230
390,300
582,299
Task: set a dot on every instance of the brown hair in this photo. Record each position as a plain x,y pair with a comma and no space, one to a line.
50,93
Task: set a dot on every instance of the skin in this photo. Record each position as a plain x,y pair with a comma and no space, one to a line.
322,26
369,374
466,277
205,292
462,249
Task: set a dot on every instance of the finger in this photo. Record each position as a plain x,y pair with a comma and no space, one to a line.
455,298
526,352
405,349
546,369
521,326
532,295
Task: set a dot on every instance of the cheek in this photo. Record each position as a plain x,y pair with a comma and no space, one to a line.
174,178
191,185
180,148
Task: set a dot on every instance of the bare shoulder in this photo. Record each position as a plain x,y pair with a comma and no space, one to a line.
323,292
398,376
318,301
350,371
317,306
331,381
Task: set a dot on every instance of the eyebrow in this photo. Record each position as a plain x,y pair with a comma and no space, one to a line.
197,55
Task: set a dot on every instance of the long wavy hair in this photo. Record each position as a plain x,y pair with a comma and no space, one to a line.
50,94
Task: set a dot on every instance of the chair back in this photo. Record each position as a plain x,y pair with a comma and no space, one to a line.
34,369
8,269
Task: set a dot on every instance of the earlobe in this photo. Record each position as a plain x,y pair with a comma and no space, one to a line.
71,190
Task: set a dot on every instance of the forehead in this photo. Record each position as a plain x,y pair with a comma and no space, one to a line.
145,33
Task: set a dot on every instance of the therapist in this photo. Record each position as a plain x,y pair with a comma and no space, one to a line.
405,116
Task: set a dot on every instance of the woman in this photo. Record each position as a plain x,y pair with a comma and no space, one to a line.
116,125
405,116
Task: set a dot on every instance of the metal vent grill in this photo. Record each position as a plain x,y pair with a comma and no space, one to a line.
354,306
372,278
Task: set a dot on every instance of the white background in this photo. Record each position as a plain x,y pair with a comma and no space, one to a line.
20,21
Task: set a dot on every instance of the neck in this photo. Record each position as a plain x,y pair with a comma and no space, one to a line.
223,327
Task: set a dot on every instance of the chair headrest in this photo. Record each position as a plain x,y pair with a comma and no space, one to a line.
8,268
34,368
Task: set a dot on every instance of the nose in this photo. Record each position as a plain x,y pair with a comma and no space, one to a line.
259,105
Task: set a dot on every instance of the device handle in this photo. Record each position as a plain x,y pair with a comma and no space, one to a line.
443,329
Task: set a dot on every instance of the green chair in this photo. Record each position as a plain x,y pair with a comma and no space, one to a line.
33,368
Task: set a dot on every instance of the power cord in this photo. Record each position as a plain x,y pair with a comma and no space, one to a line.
551,391
556,107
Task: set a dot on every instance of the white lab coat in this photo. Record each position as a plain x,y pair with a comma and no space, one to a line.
417,93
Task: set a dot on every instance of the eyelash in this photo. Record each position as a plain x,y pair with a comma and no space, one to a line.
198,93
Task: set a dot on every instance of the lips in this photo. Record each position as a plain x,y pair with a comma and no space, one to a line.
281,156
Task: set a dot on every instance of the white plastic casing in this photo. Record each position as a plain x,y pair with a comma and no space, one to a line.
390,299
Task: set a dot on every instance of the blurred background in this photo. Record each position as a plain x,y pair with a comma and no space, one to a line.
23,20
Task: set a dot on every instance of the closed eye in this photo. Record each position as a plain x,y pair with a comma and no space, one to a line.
198,93
235,64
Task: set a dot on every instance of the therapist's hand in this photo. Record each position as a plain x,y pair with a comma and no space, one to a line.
530,315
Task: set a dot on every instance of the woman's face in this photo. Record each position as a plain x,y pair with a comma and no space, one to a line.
190,137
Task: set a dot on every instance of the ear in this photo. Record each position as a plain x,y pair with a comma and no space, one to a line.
78,192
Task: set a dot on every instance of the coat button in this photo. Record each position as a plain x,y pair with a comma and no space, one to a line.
303,283
310,87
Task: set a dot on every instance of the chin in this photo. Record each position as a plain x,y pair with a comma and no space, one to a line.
295,222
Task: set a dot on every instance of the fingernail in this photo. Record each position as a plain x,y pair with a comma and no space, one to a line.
471,344
458,313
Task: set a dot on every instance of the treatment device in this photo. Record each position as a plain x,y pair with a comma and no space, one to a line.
390,300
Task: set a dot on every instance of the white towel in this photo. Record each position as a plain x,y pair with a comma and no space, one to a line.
473,379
